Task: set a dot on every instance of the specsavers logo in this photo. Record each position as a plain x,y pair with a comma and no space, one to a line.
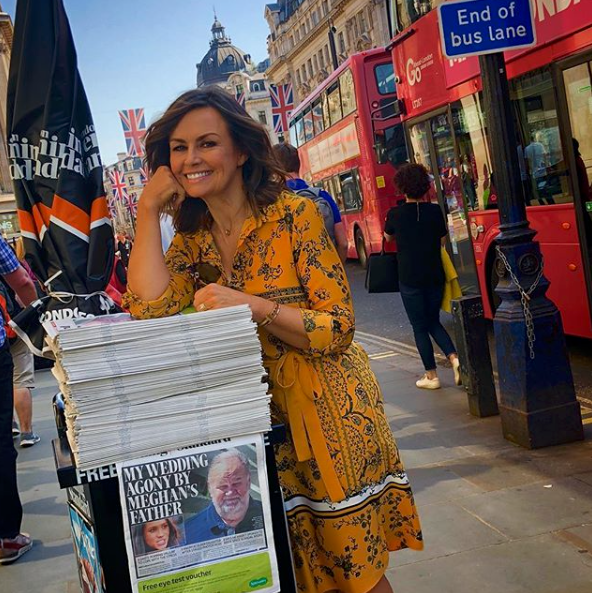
415,69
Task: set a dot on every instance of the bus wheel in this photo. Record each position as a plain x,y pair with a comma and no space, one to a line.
493,282
361,249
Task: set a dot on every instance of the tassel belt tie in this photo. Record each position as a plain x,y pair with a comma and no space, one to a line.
299,384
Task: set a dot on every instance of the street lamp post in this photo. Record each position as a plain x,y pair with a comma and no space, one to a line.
538,405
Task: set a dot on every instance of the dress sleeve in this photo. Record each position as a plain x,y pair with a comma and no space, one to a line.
329,322
441,222
180,258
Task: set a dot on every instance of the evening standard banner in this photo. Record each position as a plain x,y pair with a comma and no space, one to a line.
199,520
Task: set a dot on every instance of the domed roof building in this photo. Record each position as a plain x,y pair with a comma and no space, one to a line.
222,59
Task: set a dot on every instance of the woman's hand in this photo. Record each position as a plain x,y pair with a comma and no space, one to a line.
163,189
214,296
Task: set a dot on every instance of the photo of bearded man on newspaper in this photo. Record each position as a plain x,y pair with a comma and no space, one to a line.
232,509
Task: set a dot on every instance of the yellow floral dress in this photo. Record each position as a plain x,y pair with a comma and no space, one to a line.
347,497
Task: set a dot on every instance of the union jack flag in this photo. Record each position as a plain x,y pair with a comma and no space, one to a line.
240,98
112,206
132,204
282,103
134,128
144,176
118,186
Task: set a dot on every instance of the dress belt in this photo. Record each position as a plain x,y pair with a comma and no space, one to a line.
299,383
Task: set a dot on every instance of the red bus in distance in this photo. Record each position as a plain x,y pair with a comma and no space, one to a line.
446,130
349,138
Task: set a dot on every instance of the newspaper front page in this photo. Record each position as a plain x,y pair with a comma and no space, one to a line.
198,520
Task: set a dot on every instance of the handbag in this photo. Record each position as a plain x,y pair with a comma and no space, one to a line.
382,272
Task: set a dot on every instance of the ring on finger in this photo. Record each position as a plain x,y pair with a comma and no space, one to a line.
202,307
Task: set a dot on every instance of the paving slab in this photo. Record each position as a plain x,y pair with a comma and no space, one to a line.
534,565
534,509
448,529
505,470
436,484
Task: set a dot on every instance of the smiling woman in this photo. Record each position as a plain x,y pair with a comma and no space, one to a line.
243,238
155,536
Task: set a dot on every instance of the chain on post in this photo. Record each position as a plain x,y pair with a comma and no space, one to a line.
524,298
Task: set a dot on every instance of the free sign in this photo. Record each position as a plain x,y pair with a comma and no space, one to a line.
474,27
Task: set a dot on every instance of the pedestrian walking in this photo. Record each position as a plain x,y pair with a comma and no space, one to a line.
23,361
419,230
348,500
288,157
13,543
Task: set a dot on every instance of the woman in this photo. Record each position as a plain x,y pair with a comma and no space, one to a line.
243,239
419,230
154,536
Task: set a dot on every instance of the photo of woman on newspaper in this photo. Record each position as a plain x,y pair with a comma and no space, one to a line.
155,536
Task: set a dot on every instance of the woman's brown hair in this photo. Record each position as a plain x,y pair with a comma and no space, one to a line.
263,177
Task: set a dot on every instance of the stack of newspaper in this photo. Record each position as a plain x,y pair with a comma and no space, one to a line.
138,387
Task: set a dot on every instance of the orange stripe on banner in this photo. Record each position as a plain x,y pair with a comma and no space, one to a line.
71,215
99,209
41,214
27,222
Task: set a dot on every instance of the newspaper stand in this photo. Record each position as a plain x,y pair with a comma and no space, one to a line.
94,494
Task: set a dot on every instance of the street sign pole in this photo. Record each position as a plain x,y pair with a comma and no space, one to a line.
538,405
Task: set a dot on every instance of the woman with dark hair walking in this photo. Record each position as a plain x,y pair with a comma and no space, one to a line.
419,230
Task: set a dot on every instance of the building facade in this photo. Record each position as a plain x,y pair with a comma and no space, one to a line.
299,44
133,176
229,67
8,218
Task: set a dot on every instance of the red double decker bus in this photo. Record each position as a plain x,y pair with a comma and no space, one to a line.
446,130
349,139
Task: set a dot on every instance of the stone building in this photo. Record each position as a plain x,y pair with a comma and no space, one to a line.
298,43
231,68
8,219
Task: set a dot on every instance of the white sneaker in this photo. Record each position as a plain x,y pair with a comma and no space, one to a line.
456,371
425,383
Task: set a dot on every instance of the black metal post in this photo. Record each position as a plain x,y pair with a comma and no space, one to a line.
332,48
470,332
538,404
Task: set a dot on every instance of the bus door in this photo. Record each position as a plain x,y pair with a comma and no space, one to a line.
432,145
576,80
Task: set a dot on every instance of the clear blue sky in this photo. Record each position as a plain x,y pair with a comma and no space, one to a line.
142,53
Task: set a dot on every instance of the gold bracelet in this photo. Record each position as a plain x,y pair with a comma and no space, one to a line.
271,317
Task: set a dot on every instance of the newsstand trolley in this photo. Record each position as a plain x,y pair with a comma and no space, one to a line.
94,494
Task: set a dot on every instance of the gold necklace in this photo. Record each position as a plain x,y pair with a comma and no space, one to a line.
228,231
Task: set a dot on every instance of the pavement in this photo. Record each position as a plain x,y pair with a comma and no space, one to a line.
496,518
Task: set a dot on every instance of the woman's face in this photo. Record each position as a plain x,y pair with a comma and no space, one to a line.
156,534
204,158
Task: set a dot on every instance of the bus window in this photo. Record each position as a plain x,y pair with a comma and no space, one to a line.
408,11
350,189
335,191
326,116
390,145
385,78
308,129
293,135
475,163
544,171
299,123
348,97
334,103
317,117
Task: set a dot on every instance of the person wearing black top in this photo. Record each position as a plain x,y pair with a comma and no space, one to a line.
419,229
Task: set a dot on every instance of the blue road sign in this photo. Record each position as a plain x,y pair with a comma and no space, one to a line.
474,27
